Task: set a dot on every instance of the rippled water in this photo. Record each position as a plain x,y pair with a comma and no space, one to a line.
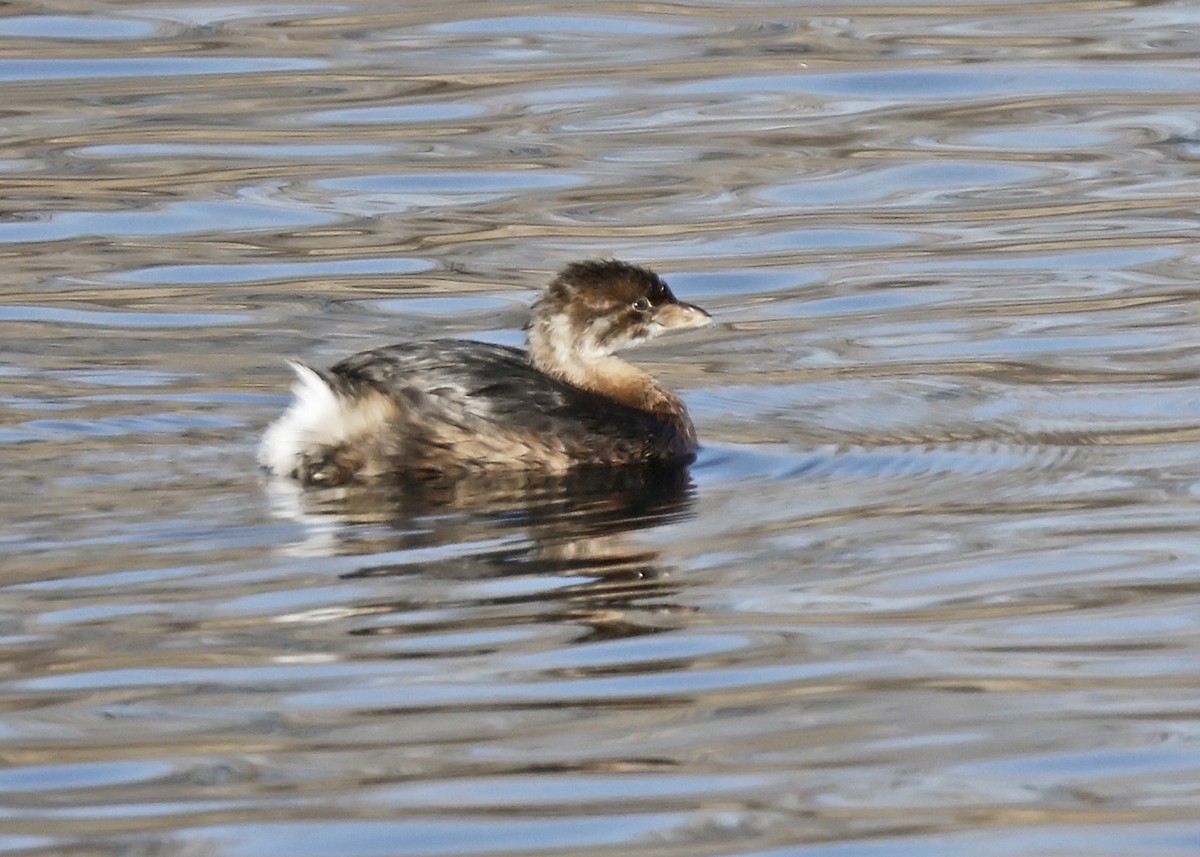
930,589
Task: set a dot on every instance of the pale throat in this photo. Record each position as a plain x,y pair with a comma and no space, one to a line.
553,351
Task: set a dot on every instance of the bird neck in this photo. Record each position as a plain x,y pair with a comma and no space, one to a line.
559,353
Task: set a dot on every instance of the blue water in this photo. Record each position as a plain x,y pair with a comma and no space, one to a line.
929,589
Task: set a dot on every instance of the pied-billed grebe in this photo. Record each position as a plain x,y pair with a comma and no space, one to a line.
449,406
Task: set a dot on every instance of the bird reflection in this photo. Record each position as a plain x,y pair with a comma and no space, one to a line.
504,526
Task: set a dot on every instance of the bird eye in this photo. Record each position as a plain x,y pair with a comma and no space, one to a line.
641,305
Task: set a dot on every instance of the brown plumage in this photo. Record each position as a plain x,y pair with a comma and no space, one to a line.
449,406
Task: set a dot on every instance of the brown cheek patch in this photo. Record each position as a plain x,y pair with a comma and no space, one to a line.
581,316
630,325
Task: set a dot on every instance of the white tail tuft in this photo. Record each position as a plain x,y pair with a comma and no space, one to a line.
314,420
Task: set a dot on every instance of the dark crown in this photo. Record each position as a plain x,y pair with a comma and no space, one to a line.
614,278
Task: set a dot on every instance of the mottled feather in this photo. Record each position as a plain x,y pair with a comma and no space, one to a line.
446,406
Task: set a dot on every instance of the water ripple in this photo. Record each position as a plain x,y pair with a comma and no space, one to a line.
928,588
90,69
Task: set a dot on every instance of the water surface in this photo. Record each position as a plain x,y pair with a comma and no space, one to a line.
930,588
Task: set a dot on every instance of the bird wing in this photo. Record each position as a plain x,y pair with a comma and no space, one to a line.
482,387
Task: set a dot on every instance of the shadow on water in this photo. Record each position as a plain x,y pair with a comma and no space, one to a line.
576,527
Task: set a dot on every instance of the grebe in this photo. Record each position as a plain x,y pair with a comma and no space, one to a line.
445,407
